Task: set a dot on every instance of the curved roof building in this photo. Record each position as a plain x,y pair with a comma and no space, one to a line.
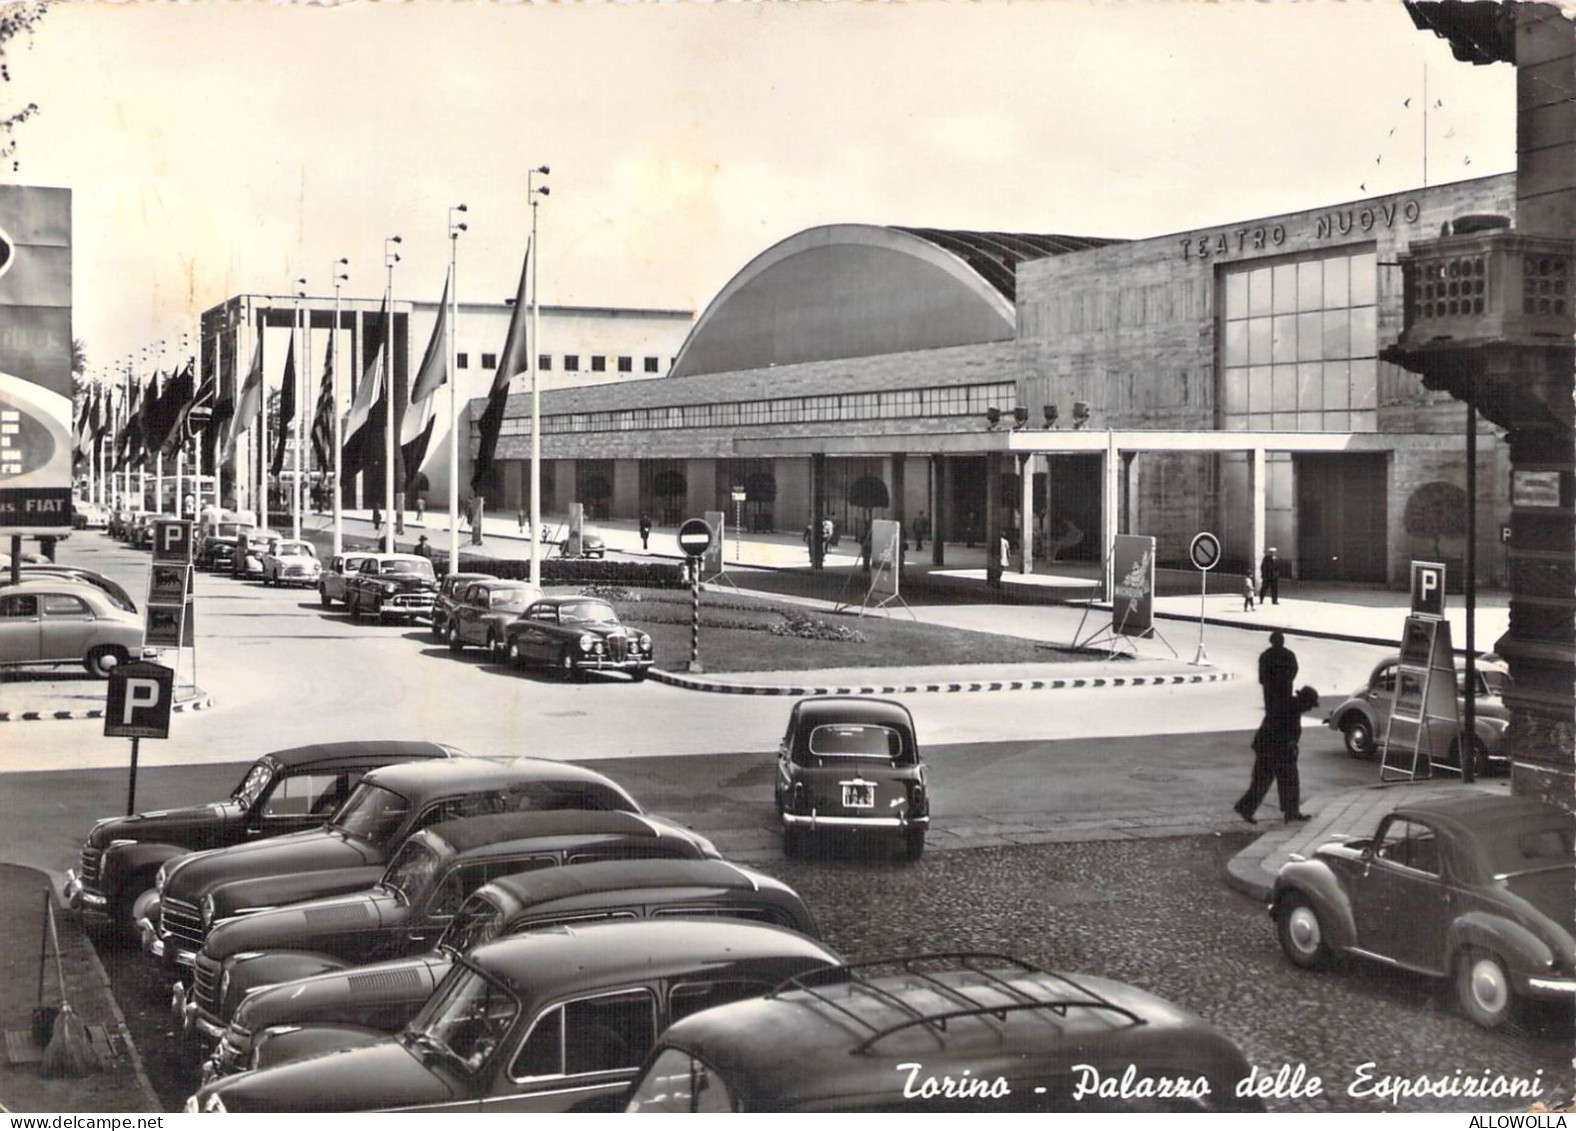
862,290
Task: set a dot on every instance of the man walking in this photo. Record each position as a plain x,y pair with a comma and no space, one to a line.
1269,576
1275,744
645,532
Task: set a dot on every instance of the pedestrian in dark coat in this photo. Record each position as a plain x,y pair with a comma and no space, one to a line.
1277,673
1275,750
645,532
1269,576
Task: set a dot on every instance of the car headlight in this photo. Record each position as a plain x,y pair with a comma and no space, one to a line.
224,985
160,877
645,642
587,642
193,1106
207,911
215,1105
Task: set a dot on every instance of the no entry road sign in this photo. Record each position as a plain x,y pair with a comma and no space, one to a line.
1204,551
695,537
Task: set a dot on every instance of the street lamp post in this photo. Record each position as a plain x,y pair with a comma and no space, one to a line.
455,228
533,347
285,426
390,257
340,278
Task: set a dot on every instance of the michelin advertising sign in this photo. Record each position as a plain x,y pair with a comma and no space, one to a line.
35,360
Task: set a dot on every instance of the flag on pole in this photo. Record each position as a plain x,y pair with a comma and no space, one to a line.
287,408
323,416
420,415
515,358
146,410
177,402
125,437
246,401
364,424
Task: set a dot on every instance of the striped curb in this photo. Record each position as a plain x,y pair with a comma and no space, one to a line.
690,683
203,702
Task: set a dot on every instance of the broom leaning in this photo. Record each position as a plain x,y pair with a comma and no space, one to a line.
69,1052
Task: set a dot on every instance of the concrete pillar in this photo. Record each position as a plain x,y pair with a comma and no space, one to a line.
995,521
626,488
899,511
1109,496
940,513
1026,512
817,510
1258,483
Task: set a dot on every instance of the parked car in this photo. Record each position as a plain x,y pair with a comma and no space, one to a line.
335,578
283,791
591,545
349,852
143,527
218,528
883,1036
450,589
420,892
122,522
305,1014
251,546
577,635
89,516
552,1020
484,612
391,585
112,588
1481,890
851,765
51,621
291,562
1364,718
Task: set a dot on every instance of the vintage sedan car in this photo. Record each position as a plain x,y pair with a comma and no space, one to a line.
122,522
1478,889
591,545
350,852
50,621
577,635
292,562
89,516
143,527
251,546
336,575
353,1004
946,1032
112,588
420,892
391,585
282,792
218,531
1364,718
484,611
551,1020
450,589
851,765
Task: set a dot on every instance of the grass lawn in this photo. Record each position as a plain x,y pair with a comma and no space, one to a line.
741,633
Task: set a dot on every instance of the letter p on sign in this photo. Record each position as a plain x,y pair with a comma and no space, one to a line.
140,692
1428,589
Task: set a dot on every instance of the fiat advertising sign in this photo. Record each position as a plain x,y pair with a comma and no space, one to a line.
35,360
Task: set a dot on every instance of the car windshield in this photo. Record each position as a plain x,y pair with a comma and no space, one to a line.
465,1020
1529,847
253,784
411,871
297,549
587,612
371,812
419,567
510,600
479,920
856,740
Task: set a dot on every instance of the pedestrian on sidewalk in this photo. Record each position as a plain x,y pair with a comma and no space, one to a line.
522,520
645,532
422,548
1275,749
377,519
1269,576
1277,673
1247,593
921,531
421,510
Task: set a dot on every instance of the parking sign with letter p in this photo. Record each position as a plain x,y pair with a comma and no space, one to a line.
139,701
1428,589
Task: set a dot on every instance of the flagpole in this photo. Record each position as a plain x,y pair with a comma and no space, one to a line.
284,427
263,500
454,397
340,278
533,347
390,257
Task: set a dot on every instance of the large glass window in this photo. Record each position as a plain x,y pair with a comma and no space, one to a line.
1299,345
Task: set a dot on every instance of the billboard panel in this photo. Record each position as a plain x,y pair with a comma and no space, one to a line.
1133,607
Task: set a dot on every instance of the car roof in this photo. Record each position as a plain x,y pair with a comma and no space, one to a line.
398,557
492,829
503,583
839,1033
570,599
453,578
565,959
529,888
478,773
851,709
1485,811
387,751
58,582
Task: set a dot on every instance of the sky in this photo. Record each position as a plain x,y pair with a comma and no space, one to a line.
215,148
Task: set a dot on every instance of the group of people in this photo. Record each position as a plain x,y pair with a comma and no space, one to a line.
1275,743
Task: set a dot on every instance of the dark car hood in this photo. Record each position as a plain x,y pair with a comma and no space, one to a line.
605,630
313,850
301,925
165,826
344,997
380,1076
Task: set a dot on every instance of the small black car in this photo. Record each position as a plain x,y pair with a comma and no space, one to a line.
282,792
949,1033
577,635
851,765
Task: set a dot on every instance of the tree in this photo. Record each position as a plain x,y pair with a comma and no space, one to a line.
870,493
15,20
1437,510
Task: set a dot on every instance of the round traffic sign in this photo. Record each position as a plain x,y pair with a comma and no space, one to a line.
695,537
1204,552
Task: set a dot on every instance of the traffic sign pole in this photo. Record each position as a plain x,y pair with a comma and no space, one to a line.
131,785
694,539
1204,552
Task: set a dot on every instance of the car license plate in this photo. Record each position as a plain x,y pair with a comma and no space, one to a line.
859,794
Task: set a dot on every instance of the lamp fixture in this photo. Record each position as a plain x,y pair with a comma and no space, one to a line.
1080,414
1020,416
1052,413
992,418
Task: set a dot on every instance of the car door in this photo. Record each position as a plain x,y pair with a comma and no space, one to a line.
299,801
468,614
19,628
580,1055
67,626
1400,901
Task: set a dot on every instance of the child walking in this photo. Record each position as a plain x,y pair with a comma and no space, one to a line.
1247,593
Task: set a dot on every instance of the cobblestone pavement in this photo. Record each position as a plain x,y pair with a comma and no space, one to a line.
1152,912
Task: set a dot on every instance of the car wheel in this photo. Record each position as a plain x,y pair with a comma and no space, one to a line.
104,659
322,596
495,646
793,842
1481,766
455,643
1359,735
1483,987
915,843
1301,933
353,606
516,653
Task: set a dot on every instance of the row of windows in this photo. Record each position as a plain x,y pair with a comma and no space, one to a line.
1309,387
954,400
544,362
